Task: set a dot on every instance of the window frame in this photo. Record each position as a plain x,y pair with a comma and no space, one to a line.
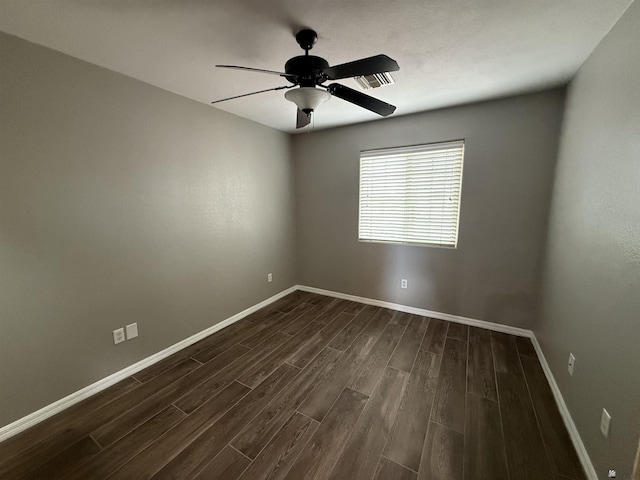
407,150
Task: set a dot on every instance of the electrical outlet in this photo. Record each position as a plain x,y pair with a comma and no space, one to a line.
572,363
403,283
118,336
269,277
132,331
605,423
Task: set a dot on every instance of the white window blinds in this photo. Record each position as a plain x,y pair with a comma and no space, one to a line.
411,195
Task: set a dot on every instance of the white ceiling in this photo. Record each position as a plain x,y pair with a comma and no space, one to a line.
449,51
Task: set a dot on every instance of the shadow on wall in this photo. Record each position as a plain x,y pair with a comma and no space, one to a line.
440,280
434,279
510,308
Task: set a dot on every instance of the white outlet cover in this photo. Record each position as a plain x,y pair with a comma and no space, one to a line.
403,283
118,336
605,423
571,364
132,331
269,277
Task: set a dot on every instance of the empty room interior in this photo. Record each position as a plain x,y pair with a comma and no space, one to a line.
320,240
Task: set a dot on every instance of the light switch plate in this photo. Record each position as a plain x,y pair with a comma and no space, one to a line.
132,331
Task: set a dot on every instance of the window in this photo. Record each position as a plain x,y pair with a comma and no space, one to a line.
411,195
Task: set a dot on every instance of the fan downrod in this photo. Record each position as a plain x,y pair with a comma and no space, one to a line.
306,38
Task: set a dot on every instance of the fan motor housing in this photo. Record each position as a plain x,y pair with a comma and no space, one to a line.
307,70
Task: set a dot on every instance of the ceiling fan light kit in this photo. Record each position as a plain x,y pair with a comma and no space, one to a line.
307,98
309,73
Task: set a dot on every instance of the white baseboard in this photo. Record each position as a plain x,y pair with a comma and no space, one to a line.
66,402
497,327
578,444
521,332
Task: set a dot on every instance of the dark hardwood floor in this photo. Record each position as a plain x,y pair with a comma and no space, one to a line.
313,387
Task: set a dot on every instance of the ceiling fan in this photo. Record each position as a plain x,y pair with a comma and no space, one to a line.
309,73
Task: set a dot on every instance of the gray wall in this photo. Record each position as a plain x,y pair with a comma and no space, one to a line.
591,299
494,274
120,203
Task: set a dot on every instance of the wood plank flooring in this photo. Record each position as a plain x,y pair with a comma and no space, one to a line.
312,387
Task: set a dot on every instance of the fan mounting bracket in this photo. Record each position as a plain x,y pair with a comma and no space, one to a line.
306,38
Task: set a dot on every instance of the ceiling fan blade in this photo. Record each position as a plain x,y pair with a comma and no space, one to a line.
360,99
302,119
364,66
253,93
258,70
